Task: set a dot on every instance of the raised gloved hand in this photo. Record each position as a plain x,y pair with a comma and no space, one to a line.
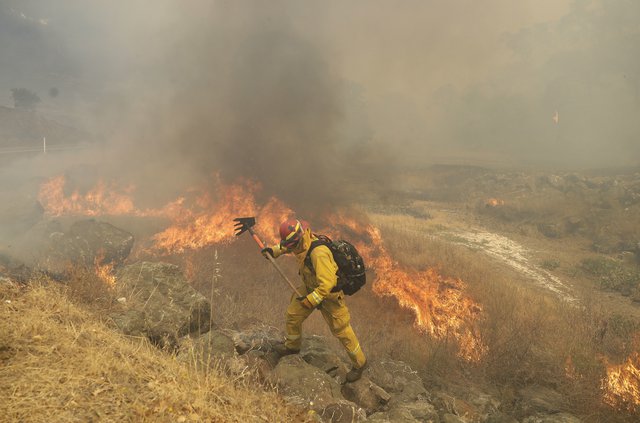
267,250
305,302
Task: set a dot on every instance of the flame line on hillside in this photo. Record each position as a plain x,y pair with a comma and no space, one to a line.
440,305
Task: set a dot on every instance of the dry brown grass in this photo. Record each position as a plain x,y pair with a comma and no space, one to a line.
532,337
60,362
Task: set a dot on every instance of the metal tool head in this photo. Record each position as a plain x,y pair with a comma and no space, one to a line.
243,224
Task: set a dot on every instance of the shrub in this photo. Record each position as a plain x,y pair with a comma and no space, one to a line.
611,274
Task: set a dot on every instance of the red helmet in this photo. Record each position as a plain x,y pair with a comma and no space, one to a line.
290,233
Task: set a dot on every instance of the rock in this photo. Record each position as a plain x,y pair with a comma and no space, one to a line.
500,417
316,352
204,350
552,418
366,394
421,410
87,243
399,380
413,391
452,418
396,415
259,363
161,305
260,338
539,399
456,406
394,376
406,411
304,384
342,411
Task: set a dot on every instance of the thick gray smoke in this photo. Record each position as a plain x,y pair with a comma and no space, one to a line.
242,93
234,89
307,97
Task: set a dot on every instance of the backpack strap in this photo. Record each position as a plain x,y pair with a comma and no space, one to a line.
322,240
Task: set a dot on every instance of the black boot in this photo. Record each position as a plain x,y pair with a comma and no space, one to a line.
356,372
282,350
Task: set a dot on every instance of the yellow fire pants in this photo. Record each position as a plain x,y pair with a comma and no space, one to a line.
336,314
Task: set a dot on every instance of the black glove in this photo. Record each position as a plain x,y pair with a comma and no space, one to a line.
267,250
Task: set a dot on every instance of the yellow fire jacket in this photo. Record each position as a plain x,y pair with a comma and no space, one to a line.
320,283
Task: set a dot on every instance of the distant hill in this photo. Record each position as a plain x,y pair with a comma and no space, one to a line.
24,128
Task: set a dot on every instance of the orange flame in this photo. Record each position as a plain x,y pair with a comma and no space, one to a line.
622,385
494,202
104,271
210,222
103,199
440,305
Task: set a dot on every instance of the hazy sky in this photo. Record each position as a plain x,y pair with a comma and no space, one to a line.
297,93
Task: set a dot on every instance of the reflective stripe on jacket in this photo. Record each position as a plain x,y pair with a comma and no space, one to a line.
320,283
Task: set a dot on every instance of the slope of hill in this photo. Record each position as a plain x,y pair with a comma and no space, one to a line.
25,129
59,362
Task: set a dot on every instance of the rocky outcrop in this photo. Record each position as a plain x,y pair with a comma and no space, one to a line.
157,302
305,384
389,390
87,243
553,418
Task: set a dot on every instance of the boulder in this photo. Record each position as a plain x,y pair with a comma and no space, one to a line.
394,376
396,415
316,352
342,411
452,418
449,404
552,418
260,338
259,363
366,394
87,243
500,417
159,304
304,384
421,410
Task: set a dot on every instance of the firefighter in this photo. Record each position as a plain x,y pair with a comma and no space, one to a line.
296,239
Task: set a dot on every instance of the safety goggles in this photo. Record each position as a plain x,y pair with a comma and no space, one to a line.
291,242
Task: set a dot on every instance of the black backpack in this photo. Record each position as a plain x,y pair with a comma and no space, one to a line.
351,276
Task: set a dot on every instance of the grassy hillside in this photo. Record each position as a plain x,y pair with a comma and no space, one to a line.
61,362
